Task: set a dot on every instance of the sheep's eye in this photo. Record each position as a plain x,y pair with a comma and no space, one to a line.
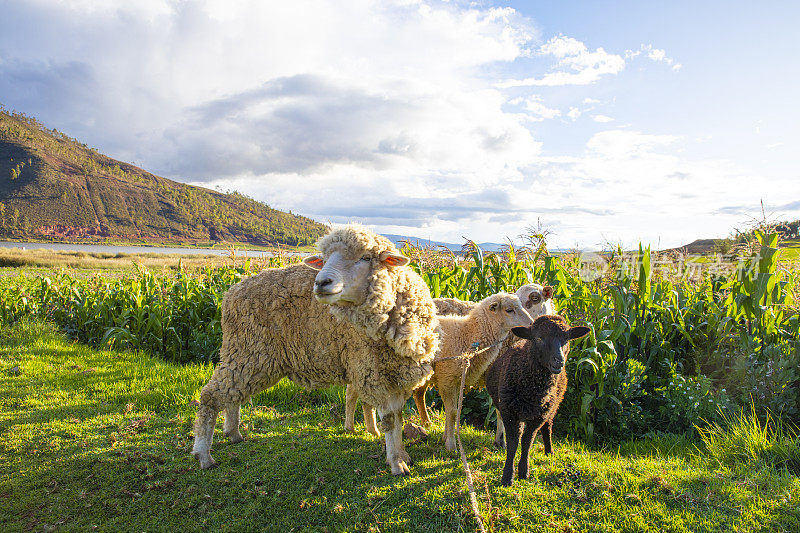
536,299
366,258
511,310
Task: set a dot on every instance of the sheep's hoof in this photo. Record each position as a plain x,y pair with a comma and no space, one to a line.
450,445
400,469
406,458
506,483
235,437
207,462
500,444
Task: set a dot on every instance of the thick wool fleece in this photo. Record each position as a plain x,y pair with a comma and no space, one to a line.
398,307
272,327
453,306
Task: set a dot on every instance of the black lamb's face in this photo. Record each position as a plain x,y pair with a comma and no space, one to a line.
550,336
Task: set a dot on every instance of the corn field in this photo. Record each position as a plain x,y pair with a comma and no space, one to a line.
667,353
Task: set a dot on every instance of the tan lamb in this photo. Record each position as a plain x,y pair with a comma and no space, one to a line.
364,318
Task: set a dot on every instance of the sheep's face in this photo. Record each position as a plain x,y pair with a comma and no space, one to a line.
509,310
550,336
344,277
536,299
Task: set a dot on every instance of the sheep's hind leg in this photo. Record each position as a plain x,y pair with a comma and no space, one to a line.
422,409
350,400
369,419
499,434
232,421
547,436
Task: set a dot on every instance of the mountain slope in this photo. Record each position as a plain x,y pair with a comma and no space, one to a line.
53,187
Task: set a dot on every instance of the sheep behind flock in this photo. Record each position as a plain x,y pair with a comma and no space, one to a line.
537,301
363,319
527,384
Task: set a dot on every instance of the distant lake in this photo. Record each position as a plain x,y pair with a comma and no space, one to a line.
114,249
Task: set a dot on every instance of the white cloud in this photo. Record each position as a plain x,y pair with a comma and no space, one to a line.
575,64
657,55
574,113
306,87
625,144
602,118
632,186
387,113
537,111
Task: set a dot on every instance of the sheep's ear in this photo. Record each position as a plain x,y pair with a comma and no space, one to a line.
578,332
547,292
523,333
394,260
314,261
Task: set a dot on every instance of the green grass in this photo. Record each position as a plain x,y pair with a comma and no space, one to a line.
746,439
98,440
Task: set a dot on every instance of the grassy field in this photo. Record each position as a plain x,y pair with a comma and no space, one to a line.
40,261
97,440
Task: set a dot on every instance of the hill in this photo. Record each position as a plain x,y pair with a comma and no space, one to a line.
399,240
53,187
789,238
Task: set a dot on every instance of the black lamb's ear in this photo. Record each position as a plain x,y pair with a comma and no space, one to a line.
521,332
577,332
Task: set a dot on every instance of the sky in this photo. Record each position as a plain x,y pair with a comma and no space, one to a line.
601,122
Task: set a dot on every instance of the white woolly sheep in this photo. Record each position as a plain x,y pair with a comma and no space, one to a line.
363,319
537,301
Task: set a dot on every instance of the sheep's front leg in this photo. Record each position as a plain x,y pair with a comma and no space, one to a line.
204,435
528,435
512,441
396,456
232,421
450,401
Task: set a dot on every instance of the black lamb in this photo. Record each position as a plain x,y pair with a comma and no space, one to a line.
527,383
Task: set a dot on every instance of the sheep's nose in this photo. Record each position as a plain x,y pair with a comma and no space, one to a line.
322,283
